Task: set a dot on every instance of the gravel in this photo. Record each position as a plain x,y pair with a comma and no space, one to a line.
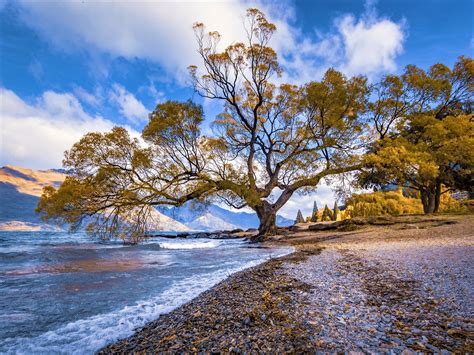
402,292
399,289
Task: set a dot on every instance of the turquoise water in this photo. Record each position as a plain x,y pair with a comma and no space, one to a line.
66,293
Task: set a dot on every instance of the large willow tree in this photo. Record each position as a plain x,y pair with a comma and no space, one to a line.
271,140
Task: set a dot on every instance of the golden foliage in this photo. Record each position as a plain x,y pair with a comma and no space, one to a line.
394,203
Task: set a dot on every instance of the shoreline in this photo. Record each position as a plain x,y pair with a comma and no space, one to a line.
236,313
338,291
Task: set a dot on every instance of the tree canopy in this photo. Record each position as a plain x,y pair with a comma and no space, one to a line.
425,124
270,141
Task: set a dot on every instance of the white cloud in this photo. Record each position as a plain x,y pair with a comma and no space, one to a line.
129,106
162,32
35,135
92,99
322,195
370,45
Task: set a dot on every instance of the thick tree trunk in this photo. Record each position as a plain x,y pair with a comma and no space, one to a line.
266,213
267,217
428,199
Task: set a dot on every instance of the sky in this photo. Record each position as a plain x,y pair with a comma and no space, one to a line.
71,67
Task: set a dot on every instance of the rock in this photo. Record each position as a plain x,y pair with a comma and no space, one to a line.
183,235
324,226
221,236
297,228
237,230
381,221
199,235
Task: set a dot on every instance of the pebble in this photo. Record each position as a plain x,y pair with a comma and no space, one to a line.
403,291
392,293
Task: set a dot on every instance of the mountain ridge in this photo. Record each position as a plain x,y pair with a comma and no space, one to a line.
20,189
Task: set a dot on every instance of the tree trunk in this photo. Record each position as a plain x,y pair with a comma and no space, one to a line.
437,197
267,217
266,213
428,199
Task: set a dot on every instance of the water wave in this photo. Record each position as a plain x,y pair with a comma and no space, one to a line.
88,335
190,244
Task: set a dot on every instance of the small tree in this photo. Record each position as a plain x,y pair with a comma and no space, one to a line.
327,214
314,215
299,217
335,211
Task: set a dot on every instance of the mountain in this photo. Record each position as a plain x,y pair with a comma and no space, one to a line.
208,221
160,222
213,217
21,188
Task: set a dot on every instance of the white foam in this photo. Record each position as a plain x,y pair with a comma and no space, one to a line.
86,336
190,244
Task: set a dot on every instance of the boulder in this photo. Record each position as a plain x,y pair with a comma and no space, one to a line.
182,235
297,228
324,226
221,235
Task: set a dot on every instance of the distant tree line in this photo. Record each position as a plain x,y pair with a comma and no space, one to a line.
326,214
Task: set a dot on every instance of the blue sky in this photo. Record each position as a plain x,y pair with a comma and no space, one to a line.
71,67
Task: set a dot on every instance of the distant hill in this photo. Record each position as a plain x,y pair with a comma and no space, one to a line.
20,189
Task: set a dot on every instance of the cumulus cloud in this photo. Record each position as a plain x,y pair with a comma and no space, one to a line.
129,106
158,31
162,32
370,45
36,134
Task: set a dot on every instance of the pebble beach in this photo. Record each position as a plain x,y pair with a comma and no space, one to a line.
401,288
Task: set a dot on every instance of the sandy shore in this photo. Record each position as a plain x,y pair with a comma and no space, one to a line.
404,287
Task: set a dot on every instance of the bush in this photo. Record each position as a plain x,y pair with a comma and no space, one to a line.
382,203
395,203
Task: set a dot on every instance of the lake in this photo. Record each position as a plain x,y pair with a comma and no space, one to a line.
69,293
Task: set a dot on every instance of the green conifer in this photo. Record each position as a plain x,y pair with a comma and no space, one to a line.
299,217
314,215
327,214
335,211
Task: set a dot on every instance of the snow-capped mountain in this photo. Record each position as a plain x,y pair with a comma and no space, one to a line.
21,188
214,217
159,222
208,221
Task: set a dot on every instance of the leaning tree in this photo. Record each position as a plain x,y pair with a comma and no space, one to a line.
271,141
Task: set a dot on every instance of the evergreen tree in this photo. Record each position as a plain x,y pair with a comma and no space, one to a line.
335,211
327,214
314,215
299,217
